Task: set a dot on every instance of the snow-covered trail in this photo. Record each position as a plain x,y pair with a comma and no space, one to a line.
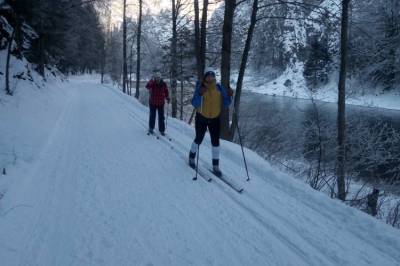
102,192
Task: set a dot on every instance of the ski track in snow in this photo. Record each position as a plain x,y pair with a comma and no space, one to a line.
102,192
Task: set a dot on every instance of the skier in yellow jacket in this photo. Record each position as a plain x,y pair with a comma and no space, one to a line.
209,99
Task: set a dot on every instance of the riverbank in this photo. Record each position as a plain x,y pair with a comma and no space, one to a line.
294,86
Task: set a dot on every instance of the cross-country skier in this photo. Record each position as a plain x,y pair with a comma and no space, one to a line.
209,99
158,92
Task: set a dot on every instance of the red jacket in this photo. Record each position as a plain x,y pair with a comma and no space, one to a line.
158,92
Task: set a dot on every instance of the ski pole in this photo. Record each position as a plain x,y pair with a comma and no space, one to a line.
197,163
166,120
241,143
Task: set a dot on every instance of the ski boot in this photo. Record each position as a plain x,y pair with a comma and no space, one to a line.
216,169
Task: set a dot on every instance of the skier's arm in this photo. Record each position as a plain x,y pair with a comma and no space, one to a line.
196,100
202,89
149,86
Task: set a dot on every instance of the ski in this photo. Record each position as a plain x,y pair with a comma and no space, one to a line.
205,177
159,136
166,136
165,139
152,134
202,175
225,180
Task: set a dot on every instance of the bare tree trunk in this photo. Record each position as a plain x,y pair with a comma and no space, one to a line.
131,68
341,119
107,40
139,35
181,79
197,39
230,6
242,69
130,73
103,62
200,32
372,202
125,68
200,41
203,37
174,59
8,89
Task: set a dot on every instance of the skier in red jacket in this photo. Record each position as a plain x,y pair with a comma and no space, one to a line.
158,92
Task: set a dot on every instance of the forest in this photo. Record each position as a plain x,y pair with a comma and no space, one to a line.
315,83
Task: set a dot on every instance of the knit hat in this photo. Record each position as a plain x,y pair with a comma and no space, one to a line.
209,71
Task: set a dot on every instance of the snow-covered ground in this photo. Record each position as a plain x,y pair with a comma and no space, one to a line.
89,187
356,94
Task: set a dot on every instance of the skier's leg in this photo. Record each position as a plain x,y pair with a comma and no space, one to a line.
214,127
152,118
201,128
161,118
192,154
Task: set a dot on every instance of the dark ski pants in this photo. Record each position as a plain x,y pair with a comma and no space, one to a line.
201,125
152,119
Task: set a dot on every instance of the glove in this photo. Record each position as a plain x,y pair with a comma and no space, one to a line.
203,89
230,92
168,100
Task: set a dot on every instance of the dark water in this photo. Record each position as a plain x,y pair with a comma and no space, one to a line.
290,129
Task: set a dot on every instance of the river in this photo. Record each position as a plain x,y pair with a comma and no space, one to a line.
287,129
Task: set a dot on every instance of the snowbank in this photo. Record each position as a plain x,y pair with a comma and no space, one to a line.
28,115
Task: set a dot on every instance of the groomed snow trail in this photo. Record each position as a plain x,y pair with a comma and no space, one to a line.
102,192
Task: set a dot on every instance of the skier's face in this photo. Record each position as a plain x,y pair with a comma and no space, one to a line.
157,79
210,78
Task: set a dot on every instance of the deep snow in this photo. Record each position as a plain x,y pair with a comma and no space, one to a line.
89,187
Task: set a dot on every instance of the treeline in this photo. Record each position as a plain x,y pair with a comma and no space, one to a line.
308,32
162,41
67,34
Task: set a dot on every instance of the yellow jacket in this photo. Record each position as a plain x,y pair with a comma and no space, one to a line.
211,102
